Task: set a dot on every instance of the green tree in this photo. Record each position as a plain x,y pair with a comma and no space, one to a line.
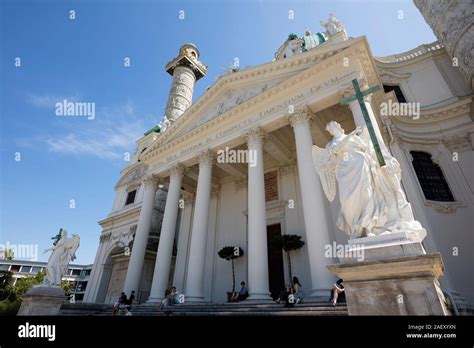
289,242
230,253
9,254
22,285
6,286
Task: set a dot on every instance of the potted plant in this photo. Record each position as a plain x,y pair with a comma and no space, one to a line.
289,242
230,253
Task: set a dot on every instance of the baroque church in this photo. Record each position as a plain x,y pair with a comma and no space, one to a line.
177,204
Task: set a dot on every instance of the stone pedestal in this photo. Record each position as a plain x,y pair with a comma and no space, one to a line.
42,300
405,285
391,274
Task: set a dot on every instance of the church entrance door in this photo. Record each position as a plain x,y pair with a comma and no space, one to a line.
276,275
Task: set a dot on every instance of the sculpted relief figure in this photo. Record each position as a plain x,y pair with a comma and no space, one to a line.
62,253
371,197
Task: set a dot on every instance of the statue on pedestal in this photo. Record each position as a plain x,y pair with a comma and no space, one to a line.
63,252
372,199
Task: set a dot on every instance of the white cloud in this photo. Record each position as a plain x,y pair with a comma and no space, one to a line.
112,133
48,101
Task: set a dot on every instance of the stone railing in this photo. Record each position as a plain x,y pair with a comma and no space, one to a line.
416,52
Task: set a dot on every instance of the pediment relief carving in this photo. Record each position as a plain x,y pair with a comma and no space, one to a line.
132,177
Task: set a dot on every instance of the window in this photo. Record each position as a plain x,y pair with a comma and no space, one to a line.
398,92
15,268
36,269
131,197
4,267
431,178
81,286
76,272
25,269
87,272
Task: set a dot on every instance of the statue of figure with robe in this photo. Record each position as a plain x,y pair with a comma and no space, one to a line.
372,199
62,253
333,25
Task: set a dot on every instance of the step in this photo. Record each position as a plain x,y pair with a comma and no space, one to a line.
210,309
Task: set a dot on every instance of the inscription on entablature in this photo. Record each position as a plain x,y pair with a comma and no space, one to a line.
256,118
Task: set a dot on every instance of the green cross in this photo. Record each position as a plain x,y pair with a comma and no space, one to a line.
359,96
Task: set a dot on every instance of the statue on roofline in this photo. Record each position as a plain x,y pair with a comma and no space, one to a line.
333,26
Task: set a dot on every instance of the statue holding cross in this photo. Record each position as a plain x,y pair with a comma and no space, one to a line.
359,96
369,179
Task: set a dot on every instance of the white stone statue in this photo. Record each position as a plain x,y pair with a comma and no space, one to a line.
372,199
164,124
333,26
62,253
293,48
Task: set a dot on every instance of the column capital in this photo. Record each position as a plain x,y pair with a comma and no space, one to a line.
347,89
178,169
215,190
301,116
206,157
152,180
255,135
188,197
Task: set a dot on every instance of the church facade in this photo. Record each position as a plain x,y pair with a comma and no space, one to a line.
234,168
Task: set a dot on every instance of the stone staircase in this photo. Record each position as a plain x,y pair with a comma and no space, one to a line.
211,309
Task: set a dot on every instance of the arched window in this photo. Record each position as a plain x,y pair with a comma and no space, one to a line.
431,178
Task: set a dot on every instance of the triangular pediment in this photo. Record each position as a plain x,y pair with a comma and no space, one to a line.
230,97
235,90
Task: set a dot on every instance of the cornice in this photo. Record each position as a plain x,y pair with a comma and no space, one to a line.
358,48
315,55
412,56
443,113
120,217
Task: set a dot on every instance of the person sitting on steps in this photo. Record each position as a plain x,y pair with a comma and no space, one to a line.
338,289
297,290
286,296
241,295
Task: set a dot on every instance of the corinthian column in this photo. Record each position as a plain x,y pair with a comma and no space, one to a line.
135,265
168,228
257,221
317,225
197,252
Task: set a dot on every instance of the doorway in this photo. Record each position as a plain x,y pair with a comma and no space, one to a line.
276,275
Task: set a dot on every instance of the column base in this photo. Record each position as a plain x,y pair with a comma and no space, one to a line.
320,294
263,297
153,300
193,299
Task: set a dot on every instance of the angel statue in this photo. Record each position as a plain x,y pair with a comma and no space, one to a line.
62,253
371,197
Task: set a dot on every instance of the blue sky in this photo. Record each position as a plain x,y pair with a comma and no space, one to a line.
64,158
